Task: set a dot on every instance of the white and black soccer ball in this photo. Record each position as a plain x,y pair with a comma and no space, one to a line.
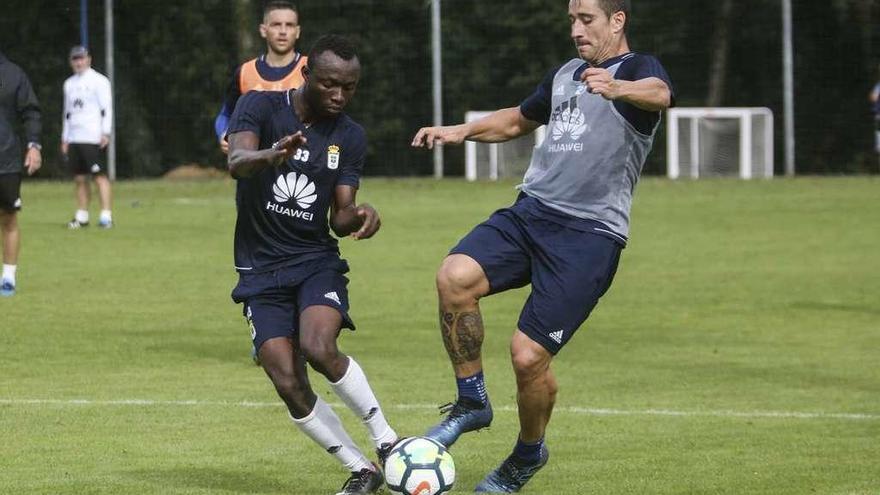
419,466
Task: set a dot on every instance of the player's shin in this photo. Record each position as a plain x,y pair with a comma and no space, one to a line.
536,386
355,391
322,425
462,332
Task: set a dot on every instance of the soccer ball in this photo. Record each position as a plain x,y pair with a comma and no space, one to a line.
419,466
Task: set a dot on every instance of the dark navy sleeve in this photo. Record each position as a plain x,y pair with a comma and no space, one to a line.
537,107
634,69
252,111
233,93
353,158
877,100
29,109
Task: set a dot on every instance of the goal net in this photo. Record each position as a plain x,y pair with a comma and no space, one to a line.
499,160
720,142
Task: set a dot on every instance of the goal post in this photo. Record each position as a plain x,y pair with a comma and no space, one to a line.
497,160
716,142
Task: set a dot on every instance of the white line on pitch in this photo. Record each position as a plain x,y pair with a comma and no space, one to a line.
571,410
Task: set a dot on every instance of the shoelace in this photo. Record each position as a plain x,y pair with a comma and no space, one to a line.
357,481
510,475
383,452
456,409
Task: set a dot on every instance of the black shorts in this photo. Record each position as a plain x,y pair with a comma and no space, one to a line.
569,269
273,301
84,159
10,192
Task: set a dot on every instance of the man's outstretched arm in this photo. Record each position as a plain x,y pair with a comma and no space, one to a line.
499,126
245,159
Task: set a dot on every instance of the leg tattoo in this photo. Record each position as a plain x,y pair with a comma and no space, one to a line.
462,335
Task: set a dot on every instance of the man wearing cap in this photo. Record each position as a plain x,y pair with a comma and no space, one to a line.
17,102
85,134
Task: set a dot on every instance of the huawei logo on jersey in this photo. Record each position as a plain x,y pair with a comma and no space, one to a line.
571,123
295,187
568,120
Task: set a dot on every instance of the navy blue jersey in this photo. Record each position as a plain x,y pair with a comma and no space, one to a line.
283,211
635,66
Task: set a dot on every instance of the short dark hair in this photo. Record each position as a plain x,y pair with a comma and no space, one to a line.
611,7
279,5
341,46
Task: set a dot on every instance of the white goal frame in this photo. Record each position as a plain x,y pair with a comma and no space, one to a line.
744,115
470,149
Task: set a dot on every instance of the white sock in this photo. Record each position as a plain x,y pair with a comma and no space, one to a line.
9,273
324,428
81,216
355,391
106,216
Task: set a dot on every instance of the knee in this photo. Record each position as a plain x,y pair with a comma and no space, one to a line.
8,221
293,389
531,362
320,351
460,281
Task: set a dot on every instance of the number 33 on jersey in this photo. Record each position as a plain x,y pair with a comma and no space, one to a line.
302,155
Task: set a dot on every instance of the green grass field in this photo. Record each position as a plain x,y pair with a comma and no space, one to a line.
738,351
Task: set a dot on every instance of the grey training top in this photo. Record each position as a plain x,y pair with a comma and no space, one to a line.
594,150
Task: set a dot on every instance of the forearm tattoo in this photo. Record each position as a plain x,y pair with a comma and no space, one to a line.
462,335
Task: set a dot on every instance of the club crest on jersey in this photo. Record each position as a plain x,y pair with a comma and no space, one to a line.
333,157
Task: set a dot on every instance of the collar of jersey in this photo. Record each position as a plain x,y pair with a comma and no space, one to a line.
604,65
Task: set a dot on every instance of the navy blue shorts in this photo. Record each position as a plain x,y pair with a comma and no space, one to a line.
273,301
569,269
10,192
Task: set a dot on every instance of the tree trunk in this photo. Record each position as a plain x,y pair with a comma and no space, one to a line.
246,27
721,49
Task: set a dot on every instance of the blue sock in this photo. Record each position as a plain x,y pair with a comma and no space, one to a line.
529,452
473,387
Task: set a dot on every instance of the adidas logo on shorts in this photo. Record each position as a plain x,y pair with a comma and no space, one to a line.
333,297
557,336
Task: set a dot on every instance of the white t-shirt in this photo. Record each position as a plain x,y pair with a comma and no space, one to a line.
88,108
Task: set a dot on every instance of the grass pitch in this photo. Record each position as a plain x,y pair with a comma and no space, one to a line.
736,353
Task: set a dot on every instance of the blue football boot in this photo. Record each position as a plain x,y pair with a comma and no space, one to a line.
464,416
7,288
511,475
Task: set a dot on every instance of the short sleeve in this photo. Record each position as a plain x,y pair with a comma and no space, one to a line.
353,157
642,67
537,107
251,111
635,69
